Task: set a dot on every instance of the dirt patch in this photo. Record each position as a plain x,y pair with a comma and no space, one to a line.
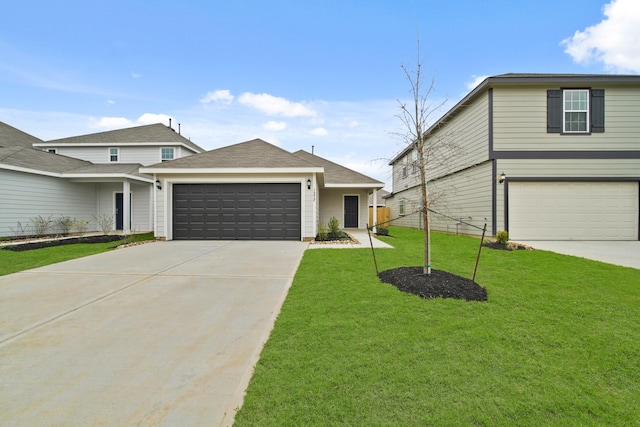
60,242
439,284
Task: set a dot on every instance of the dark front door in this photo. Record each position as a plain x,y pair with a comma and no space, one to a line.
120,211
351,211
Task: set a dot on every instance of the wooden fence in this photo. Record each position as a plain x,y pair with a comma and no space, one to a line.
383,216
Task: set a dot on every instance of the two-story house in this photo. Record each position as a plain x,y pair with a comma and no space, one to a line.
543,156
86,177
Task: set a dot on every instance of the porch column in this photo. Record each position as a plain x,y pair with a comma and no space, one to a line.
374,199
126,207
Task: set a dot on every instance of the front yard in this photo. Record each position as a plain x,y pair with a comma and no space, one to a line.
555,344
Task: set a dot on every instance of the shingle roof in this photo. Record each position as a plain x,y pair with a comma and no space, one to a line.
334,173
250,154
16,151
156,133
10,136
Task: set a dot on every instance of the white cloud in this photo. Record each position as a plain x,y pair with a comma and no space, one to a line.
475,81
275,106
354,124
221,96
272,125
150,118
615,41
136,75
110,123
318,132
111,102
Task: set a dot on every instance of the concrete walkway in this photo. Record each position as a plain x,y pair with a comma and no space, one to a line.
624,253
161,334
362,242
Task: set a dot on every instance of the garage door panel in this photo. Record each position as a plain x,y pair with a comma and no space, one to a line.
573,210
237,211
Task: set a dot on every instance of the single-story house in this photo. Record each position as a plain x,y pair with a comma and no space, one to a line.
542,156
255,190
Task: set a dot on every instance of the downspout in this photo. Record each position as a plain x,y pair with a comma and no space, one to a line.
154,209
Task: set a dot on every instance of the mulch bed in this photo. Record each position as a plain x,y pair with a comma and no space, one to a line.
439,284
60,242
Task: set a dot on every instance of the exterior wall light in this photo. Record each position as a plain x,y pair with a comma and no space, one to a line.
158,185
308,184
502,178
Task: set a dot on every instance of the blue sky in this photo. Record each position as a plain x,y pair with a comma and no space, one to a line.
293,73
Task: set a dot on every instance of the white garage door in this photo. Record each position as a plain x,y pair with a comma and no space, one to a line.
573,211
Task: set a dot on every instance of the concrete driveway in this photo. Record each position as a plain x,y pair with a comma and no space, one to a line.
165,333
624,253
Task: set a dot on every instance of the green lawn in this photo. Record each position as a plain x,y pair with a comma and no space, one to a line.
556,344
12,262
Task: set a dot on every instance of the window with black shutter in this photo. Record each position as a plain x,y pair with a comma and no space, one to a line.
575,111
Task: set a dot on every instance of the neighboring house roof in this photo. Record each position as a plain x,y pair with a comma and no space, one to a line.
380,198
12,136
156,134
336,175
254,154
524,78
16,153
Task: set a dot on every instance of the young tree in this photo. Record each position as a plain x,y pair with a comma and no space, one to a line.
415,115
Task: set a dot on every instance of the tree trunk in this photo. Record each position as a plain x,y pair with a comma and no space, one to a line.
425,217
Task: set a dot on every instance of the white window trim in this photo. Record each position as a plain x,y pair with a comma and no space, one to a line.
587,111
401,207
173,150
117,160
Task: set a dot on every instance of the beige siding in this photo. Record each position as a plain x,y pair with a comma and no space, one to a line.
520,121
411,205
567,168
467,134
465,196
333,204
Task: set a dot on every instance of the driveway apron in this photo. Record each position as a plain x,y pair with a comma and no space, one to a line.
165,333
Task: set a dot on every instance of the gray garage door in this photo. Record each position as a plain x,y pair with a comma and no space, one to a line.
236,211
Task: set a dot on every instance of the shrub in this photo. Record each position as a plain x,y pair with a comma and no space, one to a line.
20,230
502,237
80,225
65,223
322,232
41,225
334,227
105,222
382,231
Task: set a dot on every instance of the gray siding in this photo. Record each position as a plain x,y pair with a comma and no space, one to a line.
145,155
24,196
141,219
